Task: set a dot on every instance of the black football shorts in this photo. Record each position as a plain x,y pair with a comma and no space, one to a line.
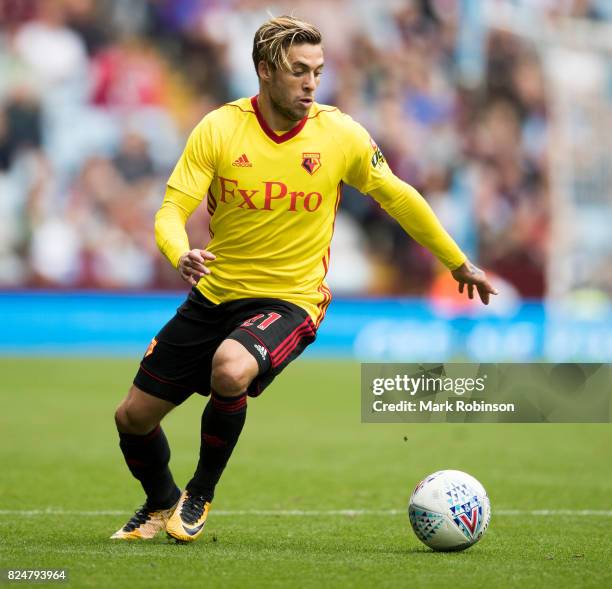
178,360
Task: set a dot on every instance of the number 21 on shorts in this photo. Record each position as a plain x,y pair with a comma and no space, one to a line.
269,319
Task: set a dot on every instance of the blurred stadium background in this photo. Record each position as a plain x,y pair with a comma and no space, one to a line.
499,112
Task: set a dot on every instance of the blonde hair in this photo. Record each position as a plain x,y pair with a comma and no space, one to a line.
275,37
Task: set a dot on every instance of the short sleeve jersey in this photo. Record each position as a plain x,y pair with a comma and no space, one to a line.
273,198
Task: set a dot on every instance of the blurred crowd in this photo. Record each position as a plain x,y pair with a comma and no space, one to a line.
96,100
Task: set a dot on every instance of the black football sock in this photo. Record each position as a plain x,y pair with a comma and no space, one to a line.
222,423
147,458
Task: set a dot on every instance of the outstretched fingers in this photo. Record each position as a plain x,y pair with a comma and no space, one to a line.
485,288
474,277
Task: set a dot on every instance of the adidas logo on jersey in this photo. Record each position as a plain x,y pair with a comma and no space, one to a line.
243,162
261,350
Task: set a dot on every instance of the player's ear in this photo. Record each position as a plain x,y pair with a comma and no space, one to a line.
264,70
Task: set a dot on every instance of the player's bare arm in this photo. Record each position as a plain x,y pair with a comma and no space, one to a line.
473,276
192,265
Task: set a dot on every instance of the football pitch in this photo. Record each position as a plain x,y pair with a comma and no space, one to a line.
312,497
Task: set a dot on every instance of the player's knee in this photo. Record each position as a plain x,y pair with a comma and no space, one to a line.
230,378
120,417
130,421
233,369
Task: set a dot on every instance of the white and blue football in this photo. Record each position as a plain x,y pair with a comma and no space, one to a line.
449,510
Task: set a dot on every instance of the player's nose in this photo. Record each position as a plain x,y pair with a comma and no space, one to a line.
310,82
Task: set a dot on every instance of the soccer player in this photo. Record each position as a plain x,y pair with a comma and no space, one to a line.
271,169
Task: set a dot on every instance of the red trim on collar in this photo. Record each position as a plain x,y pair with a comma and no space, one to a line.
269,132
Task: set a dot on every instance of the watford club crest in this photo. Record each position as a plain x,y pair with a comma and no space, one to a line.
311,162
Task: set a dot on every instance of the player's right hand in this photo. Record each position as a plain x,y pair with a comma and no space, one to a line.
192,265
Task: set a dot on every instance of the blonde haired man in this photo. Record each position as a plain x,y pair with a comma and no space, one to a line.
271,169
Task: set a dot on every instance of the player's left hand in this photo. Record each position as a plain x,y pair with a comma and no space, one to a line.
473,276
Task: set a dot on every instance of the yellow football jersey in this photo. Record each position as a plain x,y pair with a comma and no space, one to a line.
273,200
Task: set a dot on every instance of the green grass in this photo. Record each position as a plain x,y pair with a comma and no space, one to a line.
303,448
